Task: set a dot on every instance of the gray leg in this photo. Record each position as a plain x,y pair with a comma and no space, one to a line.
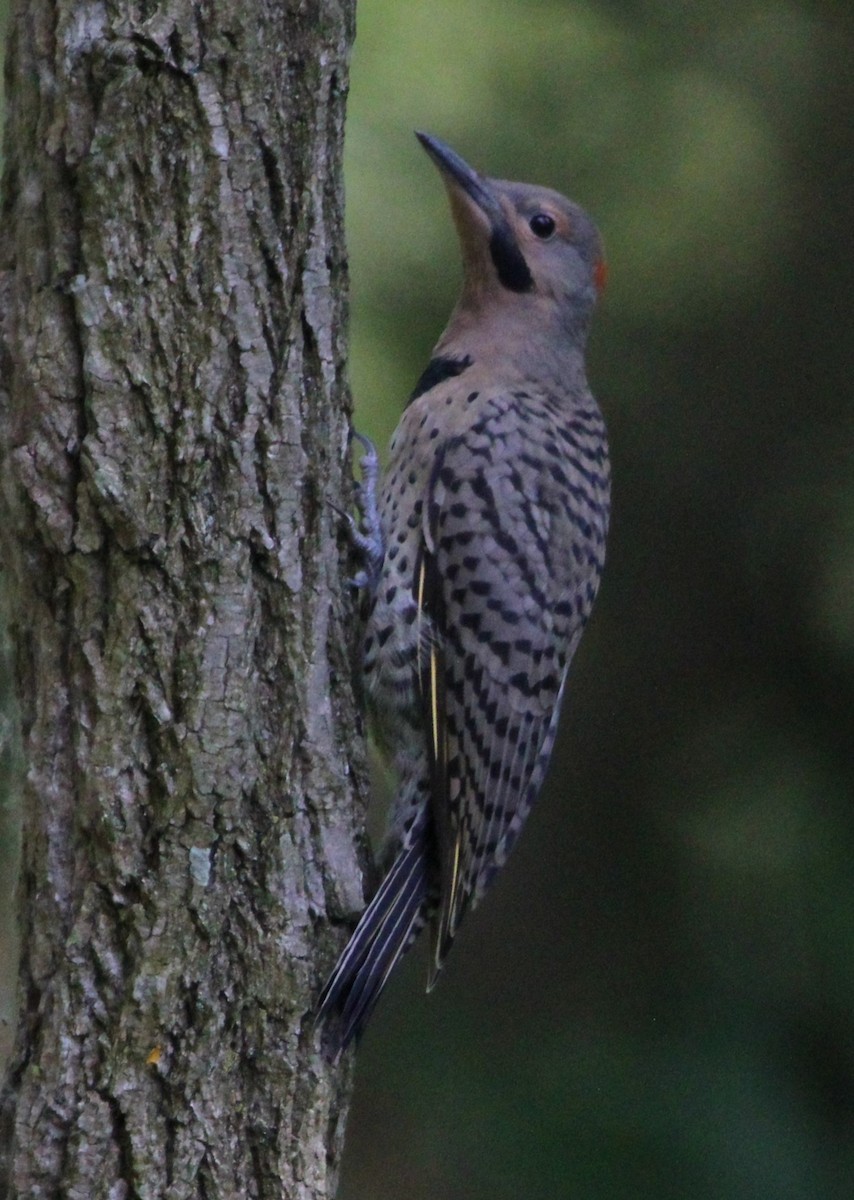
370,543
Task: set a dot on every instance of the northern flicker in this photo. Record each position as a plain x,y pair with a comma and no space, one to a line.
484,552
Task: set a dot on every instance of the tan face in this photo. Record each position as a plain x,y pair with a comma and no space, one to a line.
521,243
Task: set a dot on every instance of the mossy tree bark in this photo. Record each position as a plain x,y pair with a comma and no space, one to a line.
174,427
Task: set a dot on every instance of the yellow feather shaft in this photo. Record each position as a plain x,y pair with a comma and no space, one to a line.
455,877
434,700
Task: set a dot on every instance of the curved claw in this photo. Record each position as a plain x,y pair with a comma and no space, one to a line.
367,445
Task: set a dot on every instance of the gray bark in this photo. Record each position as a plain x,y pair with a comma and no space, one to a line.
174,428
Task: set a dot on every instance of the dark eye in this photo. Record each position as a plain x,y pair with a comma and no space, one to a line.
542,225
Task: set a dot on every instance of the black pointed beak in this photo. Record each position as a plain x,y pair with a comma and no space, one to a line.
457,169
507,257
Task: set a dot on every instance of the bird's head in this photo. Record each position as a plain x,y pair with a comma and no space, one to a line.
524,247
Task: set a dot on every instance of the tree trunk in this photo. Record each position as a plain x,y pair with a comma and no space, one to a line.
174,428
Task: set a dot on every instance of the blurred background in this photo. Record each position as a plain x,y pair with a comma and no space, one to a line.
657,999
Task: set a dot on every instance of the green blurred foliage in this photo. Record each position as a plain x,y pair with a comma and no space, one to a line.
657,1000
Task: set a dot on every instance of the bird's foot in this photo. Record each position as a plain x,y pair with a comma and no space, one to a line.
369,543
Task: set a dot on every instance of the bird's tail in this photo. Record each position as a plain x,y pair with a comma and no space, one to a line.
386,930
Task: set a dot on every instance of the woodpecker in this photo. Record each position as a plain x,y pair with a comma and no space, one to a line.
483,553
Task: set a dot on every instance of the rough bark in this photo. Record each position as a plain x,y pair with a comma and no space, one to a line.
174,427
